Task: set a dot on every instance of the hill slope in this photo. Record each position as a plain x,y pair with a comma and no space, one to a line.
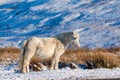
100,20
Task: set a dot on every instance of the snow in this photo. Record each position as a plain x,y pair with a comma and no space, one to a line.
42,18
10,72
9,1
70,17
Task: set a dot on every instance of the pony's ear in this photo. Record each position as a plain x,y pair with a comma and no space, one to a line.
74,32
78,30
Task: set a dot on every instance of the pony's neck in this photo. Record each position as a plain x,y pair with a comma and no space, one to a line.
63,39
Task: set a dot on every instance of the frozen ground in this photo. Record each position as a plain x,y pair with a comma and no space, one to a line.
9,73
20,19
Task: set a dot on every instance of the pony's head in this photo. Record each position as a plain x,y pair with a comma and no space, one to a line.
69,39
75,39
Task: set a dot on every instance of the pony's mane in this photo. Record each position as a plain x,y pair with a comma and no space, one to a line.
63,36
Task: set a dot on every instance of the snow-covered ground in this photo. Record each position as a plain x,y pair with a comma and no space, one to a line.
20,19
99,19
9,73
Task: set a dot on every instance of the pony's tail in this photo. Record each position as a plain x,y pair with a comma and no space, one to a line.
22,54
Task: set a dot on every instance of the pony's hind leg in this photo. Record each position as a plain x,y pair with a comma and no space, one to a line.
24,69
26,62
21,60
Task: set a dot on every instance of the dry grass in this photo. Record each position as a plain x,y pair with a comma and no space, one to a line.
11,53
9,50
100,57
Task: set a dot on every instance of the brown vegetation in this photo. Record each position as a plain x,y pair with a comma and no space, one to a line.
9,53
100,57
9,50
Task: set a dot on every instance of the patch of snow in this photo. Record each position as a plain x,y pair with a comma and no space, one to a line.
9,1
30,0
70,17
38,7
29,28
9,72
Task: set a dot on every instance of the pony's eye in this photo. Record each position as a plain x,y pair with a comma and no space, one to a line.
74,38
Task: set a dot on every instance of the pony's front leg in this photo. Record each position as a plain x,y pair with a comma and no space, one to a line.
54,62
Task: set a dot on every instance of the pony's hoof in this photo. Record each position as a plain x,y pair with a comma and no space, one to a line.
23,71
50,68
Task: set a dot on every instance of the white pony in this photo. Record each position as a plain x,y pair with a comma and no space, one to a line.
52,47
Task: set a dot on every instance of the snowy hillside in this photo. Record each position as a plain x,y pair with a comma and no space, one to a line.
20,19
